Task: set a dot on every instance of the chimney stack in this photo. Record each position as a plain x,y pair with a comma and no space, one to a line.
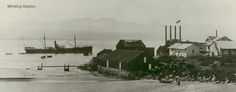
180,38
166,33
170,33
175,32
216,33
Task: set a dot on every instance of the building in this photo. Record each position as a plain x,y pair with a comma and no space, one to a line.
201,45
137,45
129,60
184,50
223,48
214,43
163,50
211,39
131,45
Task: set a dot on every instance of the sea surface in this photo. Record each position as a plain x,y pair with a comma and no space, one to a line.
18,60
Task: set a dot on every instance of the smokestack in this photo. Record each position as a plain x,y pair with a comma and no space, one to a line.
216,33
180,38
166,33
55,44
175,32
170,33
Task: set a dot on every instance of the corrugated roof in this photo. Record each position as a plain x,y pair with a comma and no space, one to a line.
226,44
121,55
180,46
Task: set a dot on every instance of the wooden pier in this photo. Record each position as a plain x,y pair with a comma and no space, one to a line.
65,66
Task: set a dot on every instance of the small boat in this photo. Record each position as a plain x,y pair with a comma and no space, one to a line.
163,80
9,53
43,57
21,53
49,56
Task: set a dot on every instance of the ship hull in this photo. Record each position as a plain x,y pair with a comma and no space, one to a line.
78,50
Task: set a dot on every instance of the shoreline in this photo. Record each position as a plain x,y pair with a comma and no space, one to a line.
85,81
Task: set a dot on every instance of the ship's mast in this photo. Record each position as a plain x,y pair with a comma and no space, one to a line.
44,40
75,40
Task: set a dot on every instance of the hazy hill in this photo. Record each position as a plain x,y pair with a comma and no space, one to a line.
85,29
102,29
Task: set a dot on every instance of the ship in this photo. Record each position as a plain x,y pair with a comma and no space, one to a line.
85,50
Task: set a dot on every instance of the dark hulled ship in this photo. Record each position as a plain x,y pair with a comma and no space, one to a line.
86,50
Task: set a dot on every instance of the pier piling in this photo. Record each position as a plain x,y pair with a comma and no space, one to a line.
66,67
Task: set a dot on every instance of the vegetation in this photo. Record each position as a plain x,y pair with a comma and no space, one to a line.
194,68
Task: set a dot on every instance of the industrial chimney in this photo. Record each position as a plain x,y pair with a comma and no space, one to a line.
170,33
216,33
175,32
180,38
166,33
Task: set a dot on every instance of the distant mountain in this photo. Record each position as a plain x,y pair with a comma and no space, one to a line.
85,29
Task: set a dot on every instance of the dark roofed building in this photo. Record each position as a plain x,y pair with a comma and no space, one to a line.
129,60
130,45
137,45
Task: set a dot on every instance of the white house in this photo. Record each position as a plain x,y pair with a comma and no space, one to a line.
221,48
184,50
214,44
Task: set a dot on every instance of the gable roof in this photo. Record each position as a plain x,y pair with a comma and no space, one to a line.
180,46
132,43
224,38
121,55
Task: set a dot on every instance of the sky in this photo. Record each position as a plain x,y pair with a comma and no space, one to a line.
196,16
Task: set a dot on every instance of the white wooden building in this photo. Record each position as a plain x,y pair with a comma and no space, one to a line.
222,48
215,45
184,50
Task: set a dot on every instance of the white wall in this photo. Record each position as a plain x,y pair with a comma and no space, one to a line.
177,52
192,51
185,52
213,50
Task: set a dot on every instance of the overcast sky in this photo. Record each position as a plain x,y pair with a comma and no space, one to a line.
216,14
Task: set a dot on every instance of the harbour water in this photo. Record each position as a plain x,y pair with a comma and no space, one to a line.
22,61
17,69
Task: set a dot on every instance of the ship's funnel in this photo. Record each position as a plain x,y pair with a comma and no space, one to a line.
55,43
216,33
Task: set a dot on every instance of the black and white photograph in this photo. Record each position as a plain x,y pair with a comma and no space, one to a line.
117,46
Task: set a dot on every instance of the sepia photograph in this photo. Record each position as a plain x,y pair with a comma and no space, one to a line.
117,45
